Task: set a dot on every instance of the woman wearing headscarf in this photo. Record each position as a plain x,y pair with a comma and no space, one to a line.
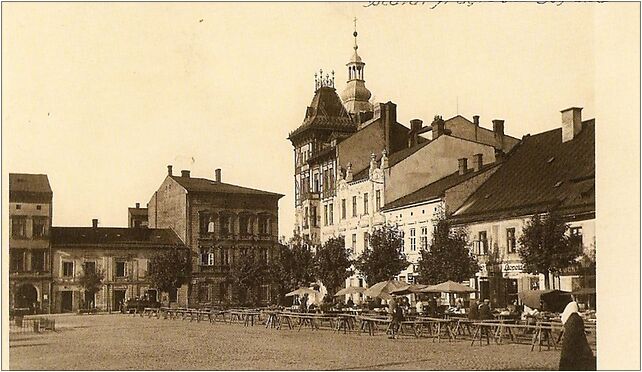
576,352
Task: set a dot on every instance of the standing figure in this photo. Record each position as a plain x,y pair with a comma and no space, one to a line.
484,310
576,352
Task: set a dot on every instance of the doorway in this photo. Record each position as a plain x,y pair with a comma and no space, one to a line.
66,301
90,300
119,299
26,298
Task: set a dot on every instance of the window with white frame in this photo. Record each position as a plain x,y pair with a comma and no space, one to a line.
511,243
413,240
68,269
120,269
207,258
424,237
365,203
354,206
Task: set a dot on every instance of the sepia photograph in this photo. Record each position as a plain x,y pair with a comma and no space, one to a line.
320,185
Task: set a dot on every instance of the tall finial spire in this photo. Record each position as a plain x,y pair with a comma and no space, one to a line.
355,33
356,96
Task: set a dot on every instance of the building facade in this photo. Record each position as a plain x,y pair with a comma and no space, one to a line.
553,170
30,214
353,158
219,222
122,255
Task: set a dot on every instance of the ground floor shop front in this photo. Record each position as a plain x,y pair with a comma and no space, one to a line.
30,295
69,297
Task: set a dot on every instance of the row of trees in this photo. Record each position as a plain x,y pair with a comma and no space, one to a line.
545,248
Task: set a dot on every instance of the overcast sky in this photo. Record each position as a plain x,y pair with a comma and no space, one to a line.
102,97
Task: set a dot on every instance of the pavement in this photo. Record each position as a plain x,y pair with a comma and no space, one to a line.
125,342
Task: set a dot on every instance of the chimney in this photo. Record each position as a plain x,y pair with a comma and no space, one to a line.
217,174
94,223
463,165
137,205
476,120
169,170
415,127
185,173
437,127
415,124
477,162
498,127
571,123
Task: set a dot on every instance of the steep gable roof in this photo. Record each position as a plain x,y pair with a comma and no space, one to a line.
29,183
326,111
29,188
540,173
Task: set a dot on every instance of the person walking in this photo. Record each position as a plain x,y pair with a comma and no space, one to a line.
396,314
576,353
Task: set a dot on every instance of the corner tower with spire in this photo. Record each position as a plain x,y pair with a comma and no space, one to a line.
356,96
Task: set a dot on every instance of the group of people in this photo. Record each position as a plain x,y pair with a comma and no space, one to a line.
480,311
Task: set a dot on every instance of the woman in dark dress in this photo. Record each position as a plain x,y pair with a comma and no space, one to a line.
576,352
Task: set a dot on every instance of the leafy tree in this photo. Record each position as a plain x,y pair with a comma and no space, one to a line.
292,267
449,257
91,279
384,259
169,269
247,274
545,247
332,264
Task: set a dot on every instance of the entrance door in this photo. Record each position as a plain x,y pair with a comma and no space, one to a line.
66,301
119,298
90,300
27,298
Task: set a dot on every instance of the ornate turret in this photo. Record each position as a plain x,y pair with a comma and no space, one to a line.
355,96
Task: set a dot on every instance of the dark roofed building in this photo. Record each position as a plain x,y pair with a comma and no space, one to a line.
219,222
29,188
553,170
121,254
542,173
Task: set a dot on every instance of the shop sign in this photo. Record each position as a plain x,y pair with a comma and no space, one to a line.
516,267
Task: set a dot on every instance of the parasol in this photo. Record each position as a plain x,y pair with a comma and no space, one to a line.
409,289
549,300
448,287
301,291
383,289
349,291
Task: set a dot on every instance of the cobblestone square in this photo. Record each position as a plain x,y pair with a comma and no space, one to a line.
125,342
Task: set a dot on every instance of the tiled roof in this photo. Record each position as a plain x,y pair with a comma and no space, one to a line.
63,236
326,111
36,183
435,189
540,173
204,185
